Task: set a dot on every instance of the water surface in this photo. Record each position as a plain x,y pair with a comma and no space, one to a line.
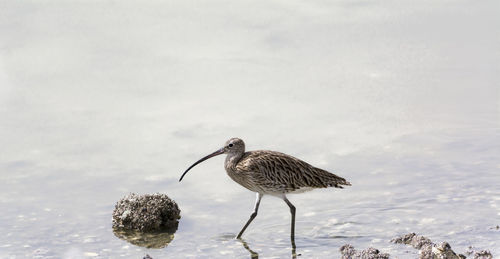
100,99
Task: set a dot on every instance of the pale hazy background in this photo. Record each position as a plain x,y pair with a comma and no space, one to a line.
102,98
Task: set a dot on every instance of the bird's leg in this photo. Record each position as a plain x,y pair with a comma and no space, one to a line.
254,214
292,211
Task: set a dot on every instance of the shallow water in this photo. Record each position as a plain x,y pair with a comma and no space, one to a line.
100,99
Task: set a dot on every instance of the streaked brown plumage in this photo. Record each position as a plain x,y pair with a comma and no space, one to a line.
272,173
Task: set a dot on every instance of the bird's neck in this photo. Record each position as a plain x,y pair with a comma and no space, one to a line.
232,159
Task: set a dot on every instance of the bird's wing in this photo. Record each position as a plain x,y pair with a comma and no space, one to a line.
283,172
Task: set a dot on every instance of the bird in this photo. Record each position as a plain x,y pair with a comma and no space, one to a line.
272,173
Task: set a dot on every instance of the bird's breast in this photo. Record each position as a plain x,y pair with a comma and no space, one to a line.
243,178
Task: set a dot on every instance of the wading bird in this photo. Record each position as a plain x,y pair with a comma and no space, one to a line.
272,173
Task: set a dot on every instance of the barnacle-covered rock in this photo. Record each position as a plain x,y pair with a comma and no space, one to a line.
145,213
348,252
428,250
148,220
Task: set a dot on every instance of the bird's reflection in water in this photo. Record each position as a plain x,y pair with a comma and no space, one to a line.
294,248
255,255
158,239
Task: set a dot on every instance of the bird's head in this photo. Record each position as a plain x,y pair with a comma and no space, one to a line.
233,146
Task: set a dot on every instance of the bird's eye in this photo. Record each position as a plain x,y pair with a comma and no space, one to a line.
230,145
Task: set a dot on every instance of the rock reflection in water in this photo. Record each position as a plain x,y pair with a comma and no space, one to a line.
157,239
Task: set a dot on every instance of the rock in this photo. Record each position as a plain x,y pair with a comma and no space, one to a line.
145,213
443,251
412,239
428,250
348,252
147,257
470,251
483,254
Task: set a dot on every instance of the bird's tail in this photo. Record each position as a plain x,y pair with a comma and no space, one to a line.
336,181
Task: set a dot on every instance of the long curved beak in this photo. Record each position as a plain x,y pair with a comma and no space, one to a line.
216,153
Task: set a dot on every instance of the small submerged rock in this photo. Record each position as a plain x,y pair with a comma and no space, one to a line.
348,252
148,220
483,254
41,252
